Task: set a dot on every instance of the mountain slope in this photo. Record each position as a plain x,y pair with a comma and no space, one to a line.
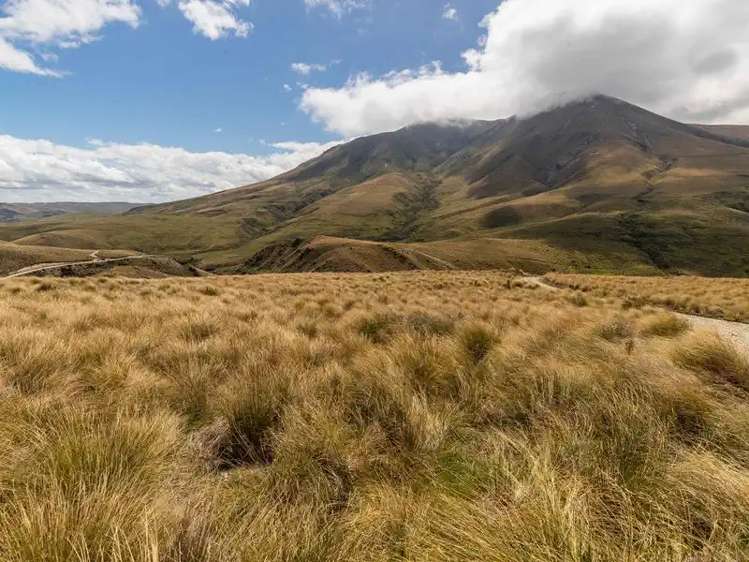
599,177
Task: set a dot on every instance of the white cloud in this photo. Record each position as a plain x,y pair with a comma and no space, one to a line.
688,60
49,21
17,60
305,69
57,24
218,130
449,13
287,88
337,7
216,20
39,170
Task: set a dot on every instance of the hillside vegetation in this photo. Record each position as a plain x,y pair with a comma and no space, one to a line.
629,190
329,254
412,416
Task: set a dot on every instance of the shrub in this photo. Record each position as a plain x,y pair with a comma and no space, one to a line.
477,341
578,299
665,325
252,405
209,291
429,324
309,327
378,327
197,328
615,330
316,455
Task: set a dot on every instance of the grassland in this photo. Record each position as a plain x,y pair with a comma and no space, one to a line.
410,416
725,298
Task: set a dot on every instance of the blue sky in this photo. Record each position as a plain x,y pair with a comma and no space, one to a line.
165,84
154,100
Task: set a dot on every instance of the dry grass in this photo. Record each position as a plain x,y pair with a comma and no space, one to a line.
413,417
716,298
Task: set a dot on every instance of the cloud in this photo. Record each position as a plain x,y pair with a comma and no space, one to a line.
338,7
216,20
665,55
17,60
306,69
39,170
287,88
449,13
55,23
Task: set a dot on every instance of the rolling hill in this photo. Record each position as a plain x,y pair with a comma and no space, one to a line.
596,185
11,212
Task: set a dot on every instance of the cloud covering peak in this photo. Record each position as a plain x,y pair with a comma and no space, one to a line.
688,60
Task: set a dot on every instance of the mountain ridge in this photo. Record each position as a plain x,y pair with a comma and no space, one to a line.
24,211
598,177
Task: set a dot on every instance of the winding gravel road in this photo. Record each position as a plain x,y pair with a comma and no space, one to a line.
95,259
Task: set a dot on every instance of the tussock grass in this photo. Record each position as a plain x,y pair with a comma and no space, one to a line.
711,355
716,298
665,325
463,417
616,329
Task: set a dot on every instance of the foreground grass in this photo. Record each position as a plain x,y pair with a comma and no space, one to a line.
717,298
418,416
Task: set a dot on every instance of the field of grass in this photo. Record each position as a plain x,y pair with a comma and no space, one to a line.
365,417
717,298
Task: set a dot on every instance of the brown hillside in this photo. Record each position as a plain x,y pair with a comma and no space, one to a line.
599,177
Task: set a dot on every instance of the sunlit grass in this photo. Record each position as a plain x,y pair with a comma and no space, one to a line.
414,416
717,298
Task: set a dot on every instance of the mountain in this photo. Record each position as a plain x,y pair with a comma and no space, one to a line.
595,185
10,212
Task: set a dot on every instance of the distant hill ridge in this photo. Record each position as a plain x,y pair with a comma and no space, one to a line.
25,211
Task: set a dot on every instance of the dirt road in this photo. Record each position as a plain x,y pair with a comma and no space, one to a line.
735,332
95,259
539,282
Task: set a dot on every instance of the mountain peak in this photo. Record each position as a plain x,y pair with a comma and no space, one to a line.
417,147
595,167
